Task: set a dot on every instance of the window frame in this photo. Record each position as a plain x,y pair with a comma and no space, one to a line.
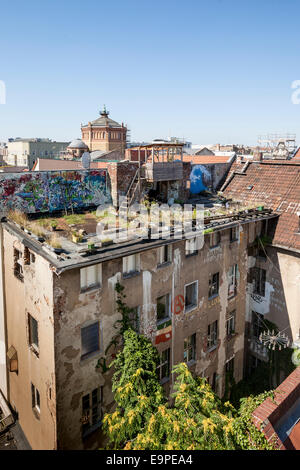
194,305
93,352
159,321
214,234
188,242
161,255
35,399
98,405
18,264
190,349
231,320
259,276
212,283
234,235
162,364
212,335
233,280
32,321
136,269
84,286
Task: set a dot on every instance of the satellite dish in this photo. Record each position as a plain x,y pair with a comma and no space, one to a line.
86,160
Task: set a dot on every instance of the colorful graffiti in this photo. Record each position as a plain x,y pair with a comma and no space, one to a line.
52,191
200,179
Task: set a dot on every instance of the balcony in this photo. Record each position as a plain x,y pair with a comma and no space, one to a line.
163,171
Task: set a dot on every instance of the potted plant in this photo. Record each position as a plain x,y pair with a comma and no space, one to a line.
76,237
106,241
53,225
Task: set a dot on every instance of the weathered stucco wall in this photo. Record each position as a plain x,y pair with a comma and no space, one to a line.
73,310
35,298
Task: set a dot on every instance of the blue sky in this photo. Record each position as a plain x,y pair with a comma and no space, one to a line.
210,71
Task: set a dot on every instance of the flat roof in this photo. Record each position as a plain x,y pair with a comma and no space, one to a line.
79,256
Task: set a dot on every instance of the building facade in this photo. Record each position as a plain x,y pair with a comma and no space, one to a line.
24,152
59,314
104,134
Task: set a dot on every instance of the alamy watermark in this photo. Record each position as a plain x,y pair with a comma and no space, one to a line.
153,222
2,92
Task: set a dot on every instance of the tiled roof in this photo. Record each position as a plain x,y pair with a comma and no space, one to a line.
279,418
47,164
276,185
206,159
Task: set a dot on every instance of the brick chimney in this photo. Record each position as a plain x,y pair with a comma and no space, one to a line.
257,155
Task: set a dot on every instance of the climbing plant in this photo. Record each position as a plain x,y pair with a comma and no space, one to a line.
196,419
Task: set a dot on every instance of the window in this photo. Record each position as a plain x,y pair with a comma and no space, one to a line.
90,339
92,412
163,368
232,280
189,348
212,335
191,296
229,366
234,233
131,264
214,382
33,333
257,324
215,239
213,285
134,319
191,246
35,398
91,276
163,308
259,281
18,264
230,324
29,257
165,254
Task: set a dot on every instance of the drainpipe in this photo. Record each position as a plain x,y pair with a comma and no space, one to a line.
173,328
3,346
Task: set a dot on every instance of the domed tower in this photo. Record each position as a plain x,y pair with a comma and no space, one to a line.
76,148
104,134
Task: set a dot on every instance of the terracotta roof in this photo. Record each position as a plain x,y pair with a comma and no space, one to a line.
47,164
279,418
206,159
276,185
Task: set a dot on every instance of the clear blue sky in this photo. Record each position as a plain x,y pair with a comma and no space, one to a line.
211,71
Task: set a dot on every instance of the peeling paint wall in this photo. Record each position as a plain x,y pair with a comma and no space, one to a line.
35,298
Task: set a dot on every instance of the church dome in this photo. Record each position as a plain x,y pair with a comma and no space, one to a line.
77,144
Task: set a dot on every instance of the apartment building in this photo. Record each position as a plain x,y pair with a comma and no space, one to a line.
274,264
24,152
58,312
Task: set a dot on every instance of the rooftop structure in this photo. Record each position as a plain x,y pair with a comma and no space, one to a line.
104,133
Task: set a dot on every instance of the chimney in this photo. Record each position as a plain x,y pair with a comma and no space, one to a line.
257,155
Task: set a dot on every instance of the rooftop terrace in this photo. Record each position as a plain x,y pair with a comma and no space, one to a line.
68,240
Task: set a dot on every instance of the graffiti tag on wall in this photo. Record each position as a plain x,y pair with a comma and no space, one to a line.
52,191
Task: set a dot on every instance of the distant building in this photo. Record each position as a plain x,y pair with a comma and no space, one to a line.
24,152
104,134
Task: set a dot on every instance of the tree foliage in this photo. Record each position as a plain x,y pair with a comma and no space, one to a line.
194,418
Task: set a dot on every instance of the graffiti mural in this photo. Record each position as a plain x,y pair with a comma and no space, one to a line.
200,179
53,190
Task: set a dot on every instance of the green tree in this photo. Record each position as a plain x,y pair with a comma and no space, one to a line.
195,418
